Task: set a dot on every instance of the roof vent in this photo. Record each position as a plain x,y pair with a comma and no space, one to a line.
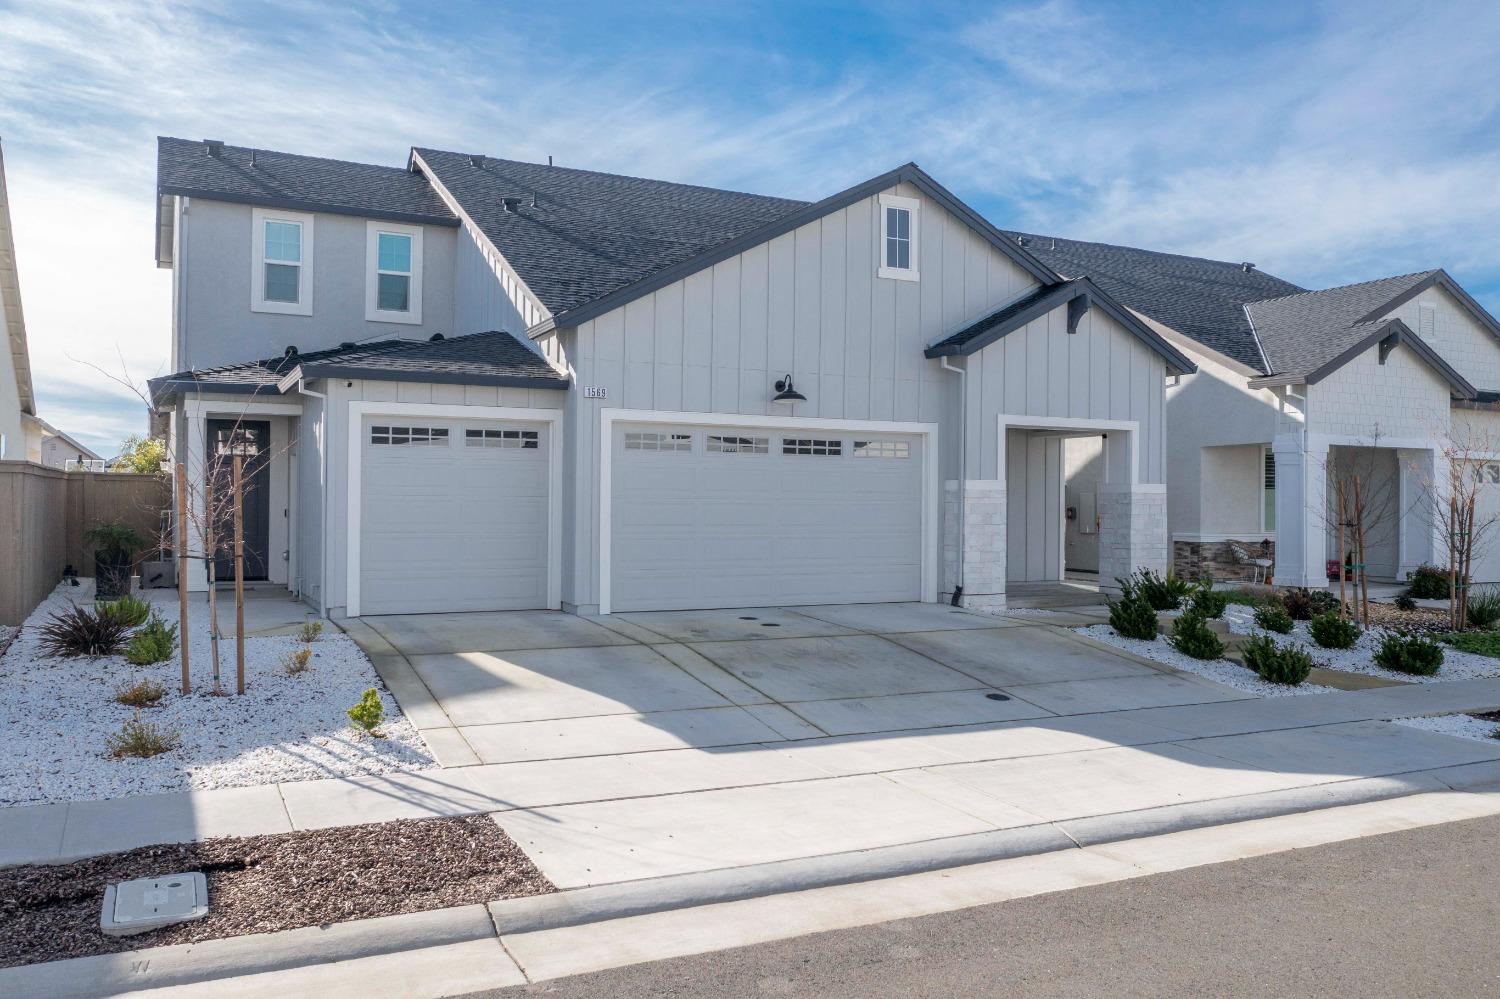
549,159
477,162
1022,240
510,204
346,344
215,147
1247,267
436,337
289,352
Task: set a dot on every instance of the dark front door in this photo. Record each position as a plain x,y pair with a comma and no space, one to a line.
251,441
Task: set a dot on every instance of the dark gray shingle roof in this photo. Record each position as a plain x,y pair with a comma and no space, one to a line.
1301,333
588,233
1200,298
493,358
304,183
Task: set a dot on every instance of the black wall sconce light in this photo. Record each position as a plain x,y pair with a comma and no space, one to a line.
785,392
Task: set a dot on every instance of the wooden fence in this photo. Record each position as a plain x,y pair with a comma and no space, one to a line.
43,514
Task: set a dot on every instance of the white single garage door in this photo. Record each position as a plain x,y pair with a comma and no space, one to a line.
742,517
453,515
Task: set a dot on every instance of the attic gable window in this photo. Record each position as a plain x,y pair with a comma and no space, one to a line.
898,237
281,262
393,273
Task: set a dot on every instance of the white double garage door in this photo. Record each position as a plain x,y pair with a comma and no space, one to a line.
455,516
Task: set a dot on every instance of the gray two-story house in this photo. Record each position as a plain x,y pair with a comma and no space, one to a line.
471,383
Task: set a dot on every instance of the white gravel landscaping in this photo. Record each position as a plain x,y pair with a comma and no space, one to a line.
1218,670
1361,657
1462,726
56,714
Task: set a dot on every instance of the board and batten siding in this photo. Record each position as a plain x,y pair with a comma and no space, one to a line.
808,303
486,293
340,394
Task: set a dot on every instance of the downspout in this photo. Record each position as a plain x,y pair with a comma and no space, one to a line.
963,478
302,389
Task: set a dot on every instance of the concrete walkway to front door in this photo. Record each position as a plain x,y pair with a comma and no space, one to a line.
640,745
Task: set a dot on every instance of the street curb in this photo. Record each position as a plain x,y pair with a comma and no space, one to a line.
577,906
233,957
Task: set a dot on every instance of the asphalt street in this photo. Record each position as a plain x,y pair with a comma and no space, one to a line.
1413,913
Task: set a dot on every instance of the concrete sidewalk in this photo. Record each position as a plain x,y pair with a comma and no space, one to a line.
602,820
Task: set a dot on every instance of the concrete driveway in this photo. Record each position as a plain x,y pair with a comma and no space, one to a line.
630,747
535,685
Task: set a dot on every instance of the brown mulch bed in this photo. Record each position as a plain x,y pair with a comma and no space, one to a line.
1424,619
259,884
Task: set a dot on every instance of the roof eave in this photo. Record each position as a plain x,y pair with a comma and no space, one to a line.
1399,333
378,374
300,205
1438,278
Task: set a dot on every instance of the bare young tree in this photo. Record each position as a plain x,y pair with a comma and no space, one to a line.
1362,508
1457,502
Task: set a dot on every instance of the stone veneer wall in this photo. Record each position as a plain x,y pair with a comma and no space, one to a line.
984,543
1191,559
1132,532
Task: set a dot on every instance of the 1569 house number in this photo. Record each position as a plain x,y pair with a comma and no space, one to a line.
595,392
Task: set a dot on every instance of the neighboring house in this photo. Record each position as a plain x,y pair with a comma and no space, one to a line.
1298,389
475,383
17,399
56,449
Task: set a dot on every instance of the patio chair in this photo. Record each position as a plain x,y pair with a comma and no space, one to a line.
1260,567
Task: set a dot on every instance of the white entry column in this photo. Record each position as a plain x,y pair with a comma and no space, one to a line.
1301,510
1418,472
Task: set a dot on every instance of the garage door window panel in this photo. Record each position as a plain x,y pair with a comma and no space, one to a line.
485,437
658,442
420,436
815,446
722,444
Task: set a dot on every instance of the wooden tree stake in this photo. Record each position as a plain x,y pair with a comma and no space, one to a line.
182,571
239,579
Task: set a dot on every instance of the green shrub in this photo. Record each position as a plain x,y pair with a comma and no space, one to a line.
1479,643
1209,602
1304,604
1132,616
81,631
310,632
1332,632
1405,602
298,661
1192,637
1407,653
1273,617
142,694
368,713
128,610
154,643
1161,593
1484,608
141,739
1428,582
1276,664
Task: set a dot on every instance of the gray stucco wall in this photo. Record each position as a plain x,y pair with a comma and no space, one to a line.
214,267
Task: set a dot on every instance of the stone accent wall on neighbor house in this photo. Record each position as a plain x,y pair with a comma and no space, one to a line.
1191,559
1132,532
983,543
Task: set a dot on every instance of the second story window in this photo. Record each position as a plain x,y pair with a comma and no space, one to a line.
281,262
393,278
898,237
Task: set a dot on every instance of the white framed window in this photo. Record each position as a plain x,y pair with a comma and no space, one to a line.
729,444
898,237
658,442
496,437
281,261
1268,490
812,445
393,273
423,436
882,449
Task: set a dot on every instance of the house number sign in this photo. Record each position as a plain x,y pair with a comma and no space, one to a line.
595,392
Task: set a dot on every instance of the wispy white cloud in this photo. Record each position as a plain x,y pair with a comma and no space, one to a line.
1326,142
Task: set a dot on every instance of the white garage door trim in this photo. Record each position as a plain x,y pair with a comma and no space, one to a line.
930,490
359,411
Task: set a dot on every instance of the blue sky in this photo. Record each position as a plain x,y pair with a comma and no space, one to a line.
1327,142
